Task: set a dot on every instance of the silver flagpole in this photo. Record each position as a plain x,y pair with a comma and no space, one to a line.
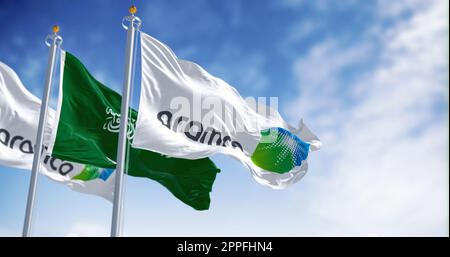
53,41
134,24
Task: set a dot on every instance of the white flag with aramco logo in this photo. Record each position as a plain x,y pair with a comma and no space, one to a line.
186,112
19,115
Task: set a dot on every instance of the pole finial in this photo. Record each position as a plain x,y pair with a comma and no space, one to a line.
55,29
132,9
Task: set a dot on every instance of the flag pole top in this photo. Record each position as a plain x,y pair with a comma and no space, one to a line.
132,9
55,29
131,20
54,38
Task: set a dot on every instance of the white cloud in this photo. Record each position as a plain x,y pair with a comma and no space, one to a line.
177,18
248,72
318,5
32,69
18,40
395,9
4,232
87,229
298,32
384,166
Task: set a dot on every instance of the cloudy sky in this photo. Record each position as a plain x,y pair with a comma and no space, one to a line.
369,77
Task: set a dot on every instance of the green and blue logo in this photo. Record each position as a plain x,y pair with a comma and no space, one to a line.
279,150
91,172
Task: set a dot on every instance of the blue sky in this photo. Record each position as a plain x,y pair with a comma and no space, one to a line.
369,77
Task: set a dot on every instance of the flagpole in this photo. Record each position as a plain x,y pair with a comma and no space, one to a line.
134,24
53,41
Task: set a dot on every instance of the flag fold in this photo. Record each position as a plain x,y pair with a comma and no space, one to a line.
86,131
191,114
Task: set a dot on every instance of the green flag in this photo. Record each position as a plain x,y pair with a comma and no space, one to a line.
86,131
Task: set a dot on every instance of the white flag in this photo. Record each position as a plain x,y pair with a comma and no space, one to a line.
19,116
186,112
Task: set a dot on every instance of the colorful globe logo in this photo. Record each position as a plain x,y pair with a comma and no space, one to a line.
279,150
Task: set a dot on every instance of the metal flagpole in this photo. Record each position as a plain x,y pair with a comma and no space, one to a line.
53,41
134,24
